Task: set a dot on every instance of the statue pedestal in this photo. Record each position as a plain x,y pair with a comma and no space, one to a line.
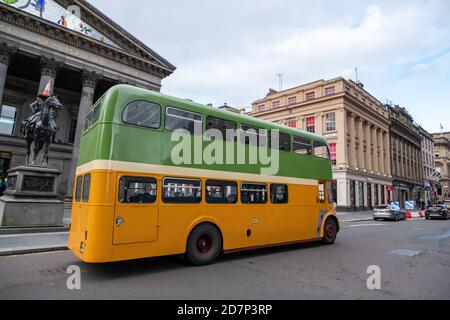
31,198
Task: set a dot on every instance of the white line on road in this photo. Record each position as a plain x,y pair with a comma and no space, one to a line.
367,225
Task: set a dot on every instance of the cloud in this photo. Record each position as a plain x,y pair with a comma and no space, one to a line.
231,51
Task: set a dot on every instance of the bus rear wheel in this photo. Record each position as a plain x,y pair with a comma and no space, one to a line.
330,230
204,245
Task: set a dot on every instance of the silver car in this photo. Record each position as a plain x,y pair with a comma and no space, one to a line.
387,213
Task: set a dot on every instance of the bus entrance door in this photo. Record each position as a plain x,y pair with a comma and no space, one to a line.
136,212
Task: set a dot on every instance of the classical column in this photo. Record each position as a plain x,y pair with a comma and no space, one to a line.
341,126
375,150
368,135
89,82
6,54
387,158
380,152
49,70
351,136
360,135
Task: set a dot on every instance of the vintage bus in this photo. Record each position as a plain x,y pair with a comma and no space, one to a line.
132,201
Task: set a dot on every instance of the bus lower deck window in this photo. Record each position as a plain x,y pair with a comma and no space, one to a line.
182,190
137,190
221,192
253,193
279,194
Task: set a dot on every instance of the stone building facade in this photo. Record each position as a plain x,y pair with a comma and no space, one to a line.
442,160
406,159
356,125
429,167
83,53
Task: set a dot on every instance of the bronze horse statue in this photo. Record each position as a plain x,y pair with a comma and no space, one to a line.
39,130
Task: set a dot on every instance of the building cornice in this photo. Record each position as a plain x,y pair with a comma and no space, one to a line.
76,39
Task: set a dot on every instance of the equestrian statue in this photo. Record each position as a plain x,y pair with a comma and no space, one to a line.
39,130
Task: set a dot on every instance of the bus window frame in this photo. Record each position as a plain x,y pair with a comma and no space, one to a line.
284,134
199,199
258,135
83,194
287,193
241,190
78,189
322,144
166,115
310,145
136,178
140,126
233,183
222,119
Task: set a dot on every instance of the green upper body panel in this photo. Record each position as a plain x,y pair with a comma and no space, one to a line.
109,138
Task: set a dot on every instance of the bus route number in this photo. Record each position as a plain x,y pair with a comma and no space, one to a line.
255,310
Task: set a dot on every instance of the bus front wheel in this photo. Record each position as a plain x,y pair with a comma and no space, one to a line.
330,230
204,245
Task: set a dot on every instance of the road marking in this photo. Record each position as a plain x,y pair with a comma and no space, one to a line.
405,253
367,225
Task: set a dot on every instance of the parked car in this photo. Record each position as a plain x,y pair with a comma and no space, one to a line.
447,204
386,212
440,211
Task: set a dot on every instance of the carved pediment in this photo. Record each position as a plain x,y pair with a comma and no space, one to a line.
81,17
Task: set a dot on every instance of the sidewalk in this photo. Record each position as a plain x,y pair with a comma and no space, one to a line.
32,243
355,216
34,240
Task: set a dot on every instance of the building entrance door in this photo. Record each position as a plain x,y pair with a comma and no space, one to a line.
369,196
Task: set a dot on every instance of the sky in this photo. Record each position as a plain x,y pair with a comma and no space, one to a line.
231,51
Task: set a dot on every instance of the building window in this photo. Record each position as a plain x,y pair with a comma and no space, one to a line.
72,130
261,108
182,190
331,122
292,100
310,96
330,91
7,120
253,193
276,104
182,119
221,192
292,124
333,153
143,114
311,125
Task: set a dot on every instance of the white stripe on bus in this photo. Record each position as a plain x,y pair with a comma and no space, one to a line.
133,167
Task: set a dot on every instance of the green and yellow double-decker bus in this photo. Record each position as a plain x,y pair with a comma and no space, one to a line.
133,200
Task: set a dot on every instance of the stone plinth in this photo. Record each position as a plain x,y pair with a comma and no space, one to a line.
31,198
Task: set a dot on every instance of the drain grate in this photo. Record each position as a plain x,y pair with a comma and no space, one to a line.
405,253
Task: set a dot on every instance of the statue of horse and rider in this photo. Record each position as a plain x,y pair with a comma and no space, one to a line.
40,129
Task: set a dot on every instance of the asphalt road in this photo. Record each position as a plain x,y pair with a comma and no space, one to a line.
296,272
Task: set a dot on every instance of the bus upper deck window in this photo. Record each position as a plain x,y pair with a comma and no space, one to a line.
182,119
143,114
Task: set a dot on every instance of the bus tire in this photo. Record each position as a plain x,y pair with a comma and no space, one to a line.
330,230
204,245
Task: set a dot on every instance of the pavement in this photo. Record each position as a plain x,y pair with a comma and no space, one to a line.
43,240
412,259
